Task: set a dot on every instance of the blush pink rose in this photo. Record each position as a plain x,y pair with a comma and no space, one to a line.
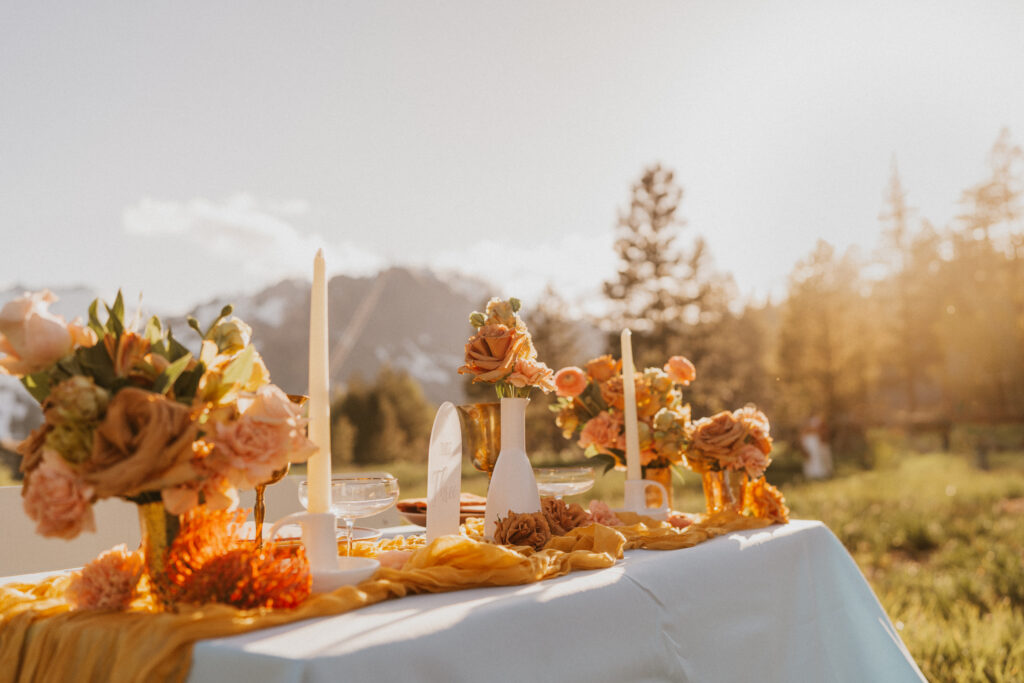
570,382
268,435
57,499
600,513
33,338
680,370
752,459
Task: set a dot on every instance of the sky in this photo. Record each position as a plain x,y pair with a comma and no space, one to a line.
187,149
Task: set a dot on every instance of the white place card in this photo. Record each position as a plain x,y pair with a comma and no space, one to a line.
444,473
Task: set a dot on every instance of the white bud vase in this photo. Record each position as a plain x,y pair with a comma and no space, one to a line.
513,486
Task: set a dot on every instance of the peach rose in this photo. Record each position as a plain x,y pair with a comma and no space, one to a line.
602,432
570,381
602,368
143,444
57,499
492,352
717,435
33,338
108,582
531,373
681,370
756,424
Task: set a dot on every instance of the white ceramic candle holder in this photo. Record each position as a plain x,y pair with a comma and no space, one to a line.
636,499
320,538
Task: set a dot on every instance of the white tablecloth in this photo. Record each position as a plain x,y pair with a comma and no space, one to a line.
784,604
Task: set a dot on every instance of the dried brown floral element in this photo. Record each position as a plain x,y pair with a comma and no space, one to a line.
562,517
144,443
523,528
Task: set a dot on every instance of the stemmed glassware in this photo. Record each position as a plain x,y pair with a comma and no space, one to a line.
563,481
357,495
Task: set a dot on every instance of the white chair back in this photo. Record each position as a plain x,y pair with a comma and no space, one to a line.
26,551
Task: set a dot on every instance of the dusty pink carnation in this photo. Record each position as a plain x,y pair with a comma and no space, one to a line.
600,513
57,499
603,432
529,372
108,582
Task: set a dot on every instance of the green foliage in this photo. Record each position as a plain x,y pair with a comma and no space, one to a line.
389,420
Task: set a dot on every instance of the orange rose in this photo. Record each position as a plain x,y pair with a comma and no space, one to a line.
680,370
602,368
491,353
756,424
570,381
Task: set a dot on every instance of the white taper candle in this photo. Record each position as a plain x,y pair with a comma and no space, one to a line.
318,468
629,414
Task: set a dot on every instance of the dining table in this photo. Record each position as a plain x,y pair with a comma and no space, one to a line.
785,603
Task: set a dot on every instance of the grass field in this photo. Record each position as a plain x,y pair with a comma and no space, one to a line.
941,542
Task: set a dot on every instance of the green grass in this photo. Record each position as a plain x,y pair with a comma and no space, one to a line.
942,544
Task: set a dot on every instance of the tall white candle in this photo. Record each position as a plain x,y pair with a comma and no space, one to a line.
629,396
318,468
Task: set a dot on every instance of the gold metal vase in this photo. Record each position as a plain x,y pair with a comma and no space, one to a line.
481,434
158,530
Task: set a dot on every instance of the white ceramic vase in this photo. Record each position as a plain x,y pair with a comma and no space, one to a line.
513,486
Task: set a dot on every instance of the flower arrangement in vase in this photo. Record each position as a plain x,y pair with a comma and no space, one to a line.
136,415
501,353
591,404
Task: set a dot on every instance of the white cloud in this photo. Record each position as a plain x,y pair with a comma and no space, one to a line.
258,236
573,263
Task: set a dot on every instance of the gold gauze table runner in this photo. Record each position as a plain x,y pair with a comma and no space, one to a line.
43,639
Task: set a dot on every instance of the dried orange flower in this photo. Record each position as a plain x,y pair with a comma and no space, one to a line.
562,517
208,562
765,501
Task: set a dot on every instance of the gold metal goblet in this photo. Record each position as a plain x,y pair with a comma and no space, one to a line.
259,508
481,434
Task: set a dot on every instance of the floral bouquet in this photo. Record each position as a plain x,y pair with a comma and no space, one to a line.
591,402
137,415
502,352
737,440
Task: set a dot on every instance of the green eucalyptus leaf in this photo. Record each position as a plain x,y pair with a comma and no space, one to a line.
175,349
169,376
188,384
38,385
240,368
154,332
95,362
94,321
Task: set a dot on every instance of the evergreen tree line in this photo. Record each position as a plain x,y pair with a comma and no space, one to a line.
923,333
